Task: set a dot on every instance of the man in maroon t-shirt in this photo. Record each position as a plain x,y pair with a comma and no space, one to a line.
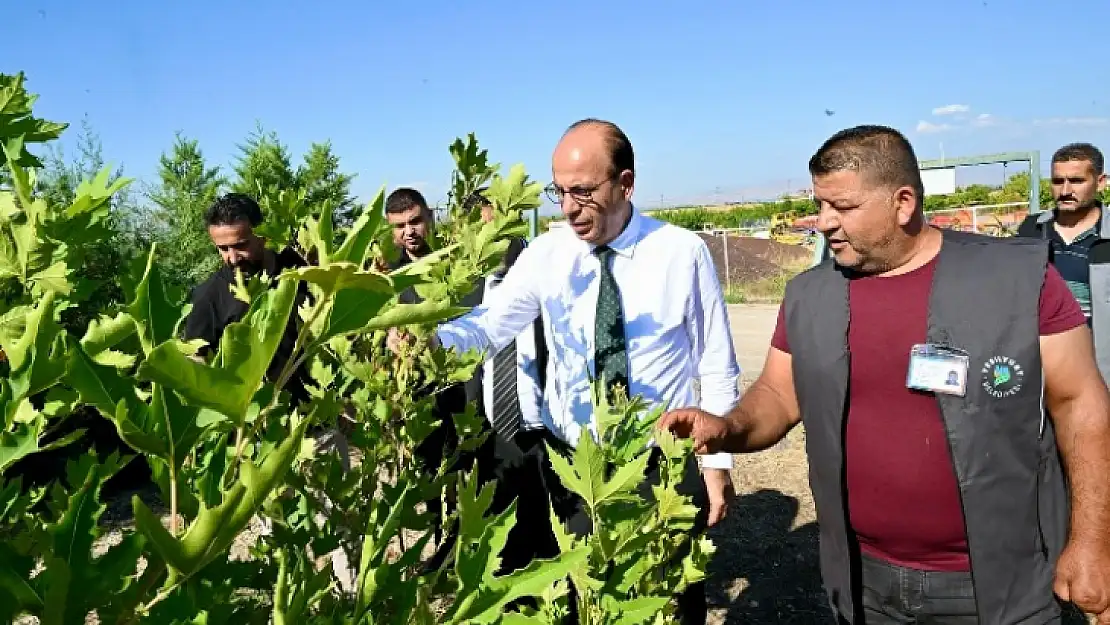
903,499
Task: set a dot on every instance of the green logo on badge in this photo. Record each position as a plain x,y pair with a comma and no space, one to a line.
1002,376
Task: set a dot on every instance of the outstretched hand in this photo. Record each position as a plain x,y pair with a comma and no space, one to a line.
707,431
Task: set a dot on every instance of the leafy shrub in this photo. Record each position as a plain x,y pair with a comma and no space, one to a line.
229,450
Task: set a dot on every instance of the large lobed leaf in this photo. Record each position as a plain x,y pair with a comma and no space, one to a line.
246,350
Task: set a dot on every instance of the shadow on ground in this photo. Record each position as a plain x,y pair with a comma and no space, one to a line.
766,571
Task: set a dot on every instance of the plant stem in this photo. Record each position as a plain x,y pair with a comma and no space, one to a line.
173,501
295,360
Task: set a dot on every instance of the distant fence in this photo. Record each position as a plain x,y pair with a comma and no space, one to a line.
994,219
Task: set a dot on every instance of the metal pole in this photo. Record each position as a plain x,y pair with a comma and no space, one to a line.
1035,183
533,223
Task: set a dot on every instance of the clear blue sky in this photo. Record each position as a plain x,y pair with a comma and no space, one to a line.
720,98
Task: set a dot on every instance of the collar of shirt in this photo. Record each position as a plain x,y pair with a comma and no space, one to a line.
625,243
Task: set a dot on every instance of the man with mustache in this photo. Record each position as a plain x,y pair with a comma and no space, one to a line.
1078,232
937,502
231,221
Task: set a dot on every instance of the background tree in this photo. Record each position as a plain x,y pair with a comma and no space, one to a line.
58,181
263,163
186,187
264,168
322,181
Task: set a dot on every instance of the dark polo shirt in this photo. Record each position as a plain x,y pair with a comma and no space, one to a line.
214,308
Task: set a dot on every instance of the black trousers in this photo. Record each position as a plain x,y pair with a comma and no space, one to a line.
515,468
692,607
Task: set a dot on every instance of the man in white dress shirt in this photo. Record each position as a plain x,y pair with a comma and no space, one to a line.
623,295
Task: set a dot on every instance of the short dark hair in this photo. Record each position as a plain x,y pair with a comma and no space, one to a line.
880,153
476,201
621,156
1081,152
232,208
404,199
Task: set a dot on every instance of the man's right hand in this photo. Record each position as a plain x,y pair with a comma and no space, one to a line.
708,431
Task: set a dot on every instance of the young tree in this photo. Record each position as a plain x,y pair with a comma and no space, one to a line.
264,163
187,186
322,181
58,181
264,169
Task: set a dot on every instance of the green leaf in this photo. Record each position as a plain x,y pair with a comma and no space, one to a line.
23,440
246,350
17,590
105,333
626,478
113,395
414,314
586,477
487,605
112,358
514,192
351,311
54,278
35,346
175,423
639,610
153,314
72,582
341,275
356,247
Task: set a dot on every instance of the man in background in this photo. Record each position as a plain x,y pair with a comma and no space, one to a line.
412,221
508,390
231,221
1078,232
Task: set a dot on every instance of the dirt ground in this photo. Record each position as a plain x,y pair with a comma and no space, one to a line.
751,259
765,569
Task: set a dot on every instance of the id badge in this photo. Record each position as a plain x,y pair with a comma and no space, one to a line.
938,369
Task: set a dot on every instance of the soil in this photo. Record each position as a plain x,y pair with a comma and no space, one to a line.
751,259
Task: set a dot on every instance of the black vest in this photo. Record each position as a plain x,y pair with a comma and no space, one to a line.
984,300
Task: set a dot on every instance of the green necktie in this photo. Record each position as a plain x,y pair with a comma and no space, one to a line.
610,351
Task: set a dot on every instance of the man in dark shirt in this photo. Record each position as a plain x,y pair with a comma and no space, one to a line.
1074,226
231,221
510,456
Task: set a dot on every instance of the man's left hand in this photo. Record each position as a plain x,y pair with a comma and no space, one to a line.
719,484
1083,576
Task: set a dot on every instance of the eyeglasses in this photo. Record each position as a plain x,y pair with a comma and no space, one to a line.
580,193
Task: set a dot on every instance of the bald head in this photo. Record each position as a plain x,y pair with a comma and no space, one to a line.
593,171
617,146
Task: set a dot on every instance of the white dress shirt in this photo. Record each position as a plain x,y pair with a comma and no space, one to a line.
527,374
676,323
